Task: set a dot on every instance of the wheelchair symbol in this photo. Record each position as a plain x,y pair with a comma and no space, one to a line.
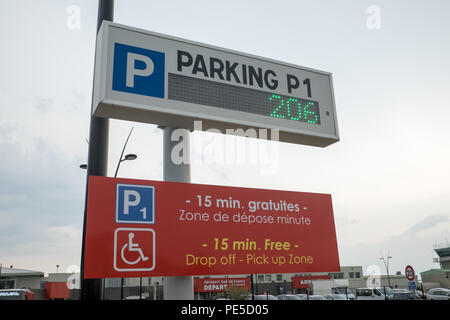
134,249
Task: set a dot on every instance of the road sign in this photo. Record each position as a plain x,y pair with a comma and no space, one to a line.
207,230
149,77
135,204
134,249
412,285
409,272
220,284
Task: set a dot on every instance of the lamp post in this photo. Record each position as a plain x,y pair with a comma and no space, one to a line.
386,265
128,157
97,163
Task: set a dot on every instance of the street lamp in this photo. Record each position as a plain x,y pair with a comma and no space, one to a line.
386,265
127,157
130,156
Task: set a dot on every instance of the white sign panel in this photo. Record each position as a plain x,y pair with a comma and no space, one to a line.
149,77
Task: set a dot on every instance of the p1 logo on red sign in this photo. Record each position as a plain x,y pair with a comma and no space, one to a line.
135,204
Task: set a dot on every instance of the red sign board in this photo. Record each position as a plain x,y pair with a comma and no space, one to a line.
410,273
220,284
305,282
138,228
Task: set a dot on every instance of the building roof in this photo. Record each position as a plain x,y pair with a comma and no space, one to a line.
392,276
13,272
443,252
434,271
59,277
441,245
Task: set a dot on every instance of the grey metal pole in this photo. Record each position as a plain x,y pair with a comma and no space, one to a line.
121,288
176,288
251,284
387,270
91,289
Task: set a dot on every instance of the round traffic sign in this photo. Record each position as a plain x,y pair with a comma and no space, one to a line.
409,272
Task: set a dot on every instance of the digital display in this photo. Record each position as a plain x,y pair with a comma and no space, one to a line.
232,97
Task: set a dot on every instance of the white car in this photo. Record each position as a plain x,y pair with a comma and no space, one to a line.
335,296
342,291
260,297
316,297
438,294
373,293
287,297
264,297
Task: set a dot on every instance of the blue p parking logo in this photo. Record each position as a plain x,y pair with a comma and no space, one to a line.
135,204
138,70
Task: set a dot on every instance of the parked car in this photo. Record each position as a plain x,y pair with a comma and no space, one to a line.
287,297
16,294
403,294
144,296
302,296
335,296
421,295
264,297
373,293
261,297
438,294
316,297
342,291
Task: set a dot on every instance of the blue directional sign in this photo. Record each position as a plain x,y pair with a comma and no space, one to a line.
135,204
412,285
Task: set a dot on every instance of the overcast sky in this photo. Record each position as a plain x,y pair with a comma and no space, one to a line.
389,175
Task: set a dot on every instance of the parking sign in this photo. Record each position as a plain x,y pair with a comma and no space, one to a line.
138,70
203,230
134,249
135,204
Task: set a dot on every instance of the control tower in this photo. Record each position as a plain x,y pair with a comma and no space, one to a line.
443,252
